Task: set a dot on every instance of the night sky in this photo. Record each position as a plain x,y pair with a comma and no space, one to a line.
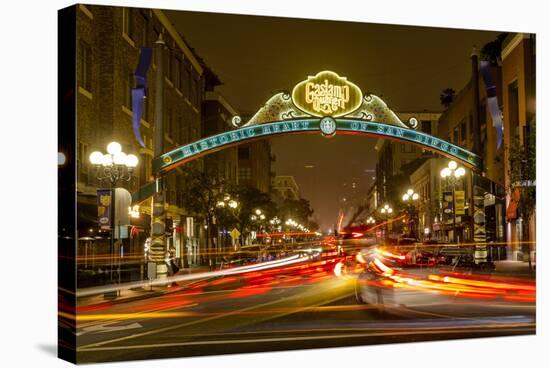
255,57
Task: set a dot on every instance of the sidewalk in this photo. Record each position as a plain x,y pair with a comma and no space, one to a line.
130,295
514,268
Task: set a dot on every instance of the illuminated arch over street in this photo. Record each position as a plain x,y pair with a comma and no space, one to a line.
327,104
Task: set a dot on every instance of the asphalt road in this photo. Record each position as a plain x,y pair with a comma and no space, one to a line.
303,306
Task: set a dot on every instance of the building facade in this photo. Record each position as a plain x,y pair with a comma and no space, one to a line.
108,49
217,113
519,108
285,187
393,157
254,165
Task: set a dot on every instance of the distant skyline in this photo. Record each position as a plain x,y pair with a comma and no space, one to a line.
257,56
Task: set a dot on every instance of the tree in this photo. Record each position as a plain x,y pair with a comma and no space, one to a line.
447,97
298,209
201,193
523,175
251,199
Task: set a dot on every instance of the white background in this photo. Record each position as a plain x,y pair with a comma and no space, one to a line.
28,120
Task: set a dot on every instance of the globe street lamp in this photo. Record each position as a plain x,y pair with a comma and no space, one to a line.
113,166
452,174
386,211
231,204
410,197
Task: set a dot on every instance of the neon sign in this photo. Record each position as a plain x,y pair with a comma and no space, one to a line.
217,142
325,103
327,94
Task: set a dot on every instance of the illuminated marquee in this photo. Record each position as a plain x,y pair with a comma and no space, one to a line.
325,103
220,141
327,94
313,125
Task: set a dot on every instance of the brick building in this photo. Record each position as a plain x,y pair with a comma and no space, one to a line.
285,187
108,42
394,156
217,113
255,165
519,108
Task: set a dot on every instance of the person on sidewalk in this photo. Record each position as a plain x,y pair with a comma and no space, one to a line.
170,260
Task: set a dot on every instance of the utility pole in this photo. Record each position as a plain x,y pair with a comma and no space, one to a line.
158,216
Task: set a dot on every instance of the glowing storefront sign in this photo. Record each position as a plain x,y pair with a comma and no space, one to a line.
327,94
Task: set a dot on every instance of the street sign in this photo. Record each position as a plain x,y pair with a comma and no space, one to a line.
104,208
235,233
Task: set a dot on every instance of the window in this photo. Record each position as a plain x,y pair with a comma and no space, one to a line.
168,123
177,72
176,128
244,153
513,103
128,84
168,66
194,90
426,126
181,138
455,135
82,161
127,23
463,131
245,173
85,65
143,177
186,85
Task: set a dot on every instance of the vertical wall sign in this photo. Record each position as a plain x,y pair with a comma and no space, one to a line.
492,100
104,203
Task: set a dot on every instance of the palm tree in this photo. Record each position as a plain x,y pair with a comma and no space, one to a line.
447,96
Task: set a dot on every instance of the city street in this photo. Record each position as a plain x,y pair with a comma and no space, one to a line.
217,200
308,304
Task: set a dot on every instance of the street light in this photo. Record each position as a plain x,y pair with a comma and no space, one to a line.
227,201
452,174
114,165
409,198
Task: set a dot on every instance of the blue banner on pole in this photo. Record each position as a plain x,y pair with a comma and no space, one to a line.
492,101
140,92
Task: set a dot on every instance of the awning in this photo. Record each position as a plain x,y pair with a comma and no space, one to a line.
512,209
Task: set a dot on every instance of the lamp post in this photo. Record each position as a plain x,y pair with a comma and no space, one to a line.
227,203
410,197
113,166
258,217
386,211
371,221
452,174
